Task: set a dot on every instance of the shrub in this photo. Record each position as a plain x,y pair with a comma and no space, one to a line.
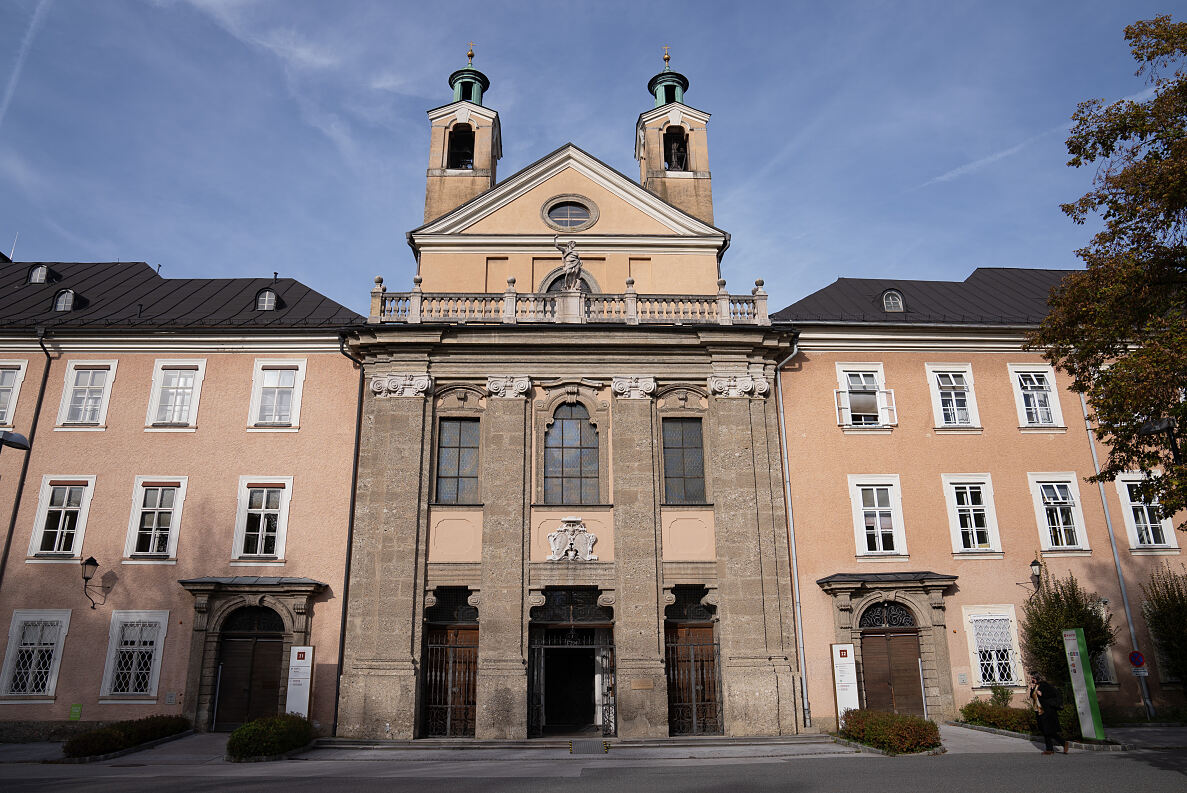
987,714
891,732
271,736
1057,604
1165,611
124,735
1000,696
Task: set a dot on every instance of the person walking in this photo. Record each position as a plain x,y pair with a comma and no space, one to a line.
1047,702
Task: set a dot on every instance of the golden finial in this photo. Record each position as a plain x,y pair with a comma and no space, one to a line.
667,56
470,54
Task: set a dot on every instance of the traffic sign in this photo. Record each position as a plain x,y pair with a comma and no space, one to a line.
1137,659
1141,671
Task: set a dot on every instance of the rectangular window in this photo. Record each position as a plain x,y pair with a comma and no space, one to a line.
156,517
1145,524
86,394
862,400
971,517
263,517
877,514
457,461
1058,511
134,652
1035,396
34,653
12,374
684,461
62,509
953,403
276,393
177,386
994,643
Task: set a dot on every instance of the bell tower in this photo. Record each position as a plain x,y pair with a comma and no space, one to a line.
672,146
465,144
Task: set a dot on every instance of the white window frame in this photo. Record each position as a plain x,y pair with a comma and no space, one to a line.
1170,541
10,409
160,366
965,370
1048,372
887,412
285,482
985,482
19,618
68,390
999,611
118,620
1071,480
257,390
890,481
43,498
130,554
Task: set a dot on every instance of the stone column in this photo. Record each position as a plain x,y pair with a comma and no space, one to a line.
642,695
756,667
502,647
384,616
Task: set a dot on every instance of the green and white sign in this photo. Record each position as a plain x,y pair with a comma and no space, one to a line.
76,711
1083,687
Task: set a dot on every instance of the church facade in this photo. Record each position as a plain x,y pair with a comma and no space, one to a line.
569,515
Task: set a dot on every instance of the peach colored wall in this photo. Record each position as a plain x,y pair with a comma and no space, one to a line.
213,457
688,535
821,457
598,520
455,534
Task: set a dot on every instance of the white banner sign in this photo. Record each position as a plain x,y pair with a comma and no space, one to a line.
845,679
300,681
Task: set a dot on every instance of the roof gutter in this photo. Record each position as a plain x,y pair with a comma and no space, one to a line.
785,461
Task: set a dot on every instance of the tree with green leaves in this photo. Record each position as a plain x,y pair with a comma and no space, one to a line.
1119,327
1059,604
1165,611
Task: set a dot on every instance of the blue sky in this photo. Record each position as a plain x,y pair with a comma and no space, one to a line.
226,138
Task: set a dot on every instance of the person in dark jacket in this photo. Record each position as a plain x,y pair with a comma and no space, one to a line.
1047,701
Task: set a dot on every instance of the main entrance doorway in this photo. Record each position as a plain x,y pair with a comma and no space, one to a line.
890,663
251,654
571,665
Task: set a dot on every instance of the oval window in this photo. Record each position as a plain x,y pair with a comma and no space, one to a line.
568,214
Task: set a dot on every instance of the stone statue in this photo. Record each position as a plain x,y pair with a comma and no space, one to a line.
570,262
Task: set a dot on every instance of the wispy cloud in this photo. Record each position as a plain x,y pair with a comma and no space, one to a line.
976,165
21,54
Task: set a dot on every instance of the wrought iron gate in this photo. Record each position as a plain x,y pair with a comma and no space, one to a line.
600,640
694,682
450,682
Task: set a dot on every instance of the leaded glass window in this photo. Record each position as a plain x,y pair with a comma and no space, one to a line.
995,650
457,462
684,461
571,458
33,657
134,653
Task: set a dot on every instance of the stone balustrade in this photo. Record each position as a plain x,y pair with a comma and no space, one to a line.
511,307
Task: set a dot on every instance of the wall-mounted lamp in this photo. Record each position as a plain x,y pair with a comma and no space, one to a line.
89,566
1036,574
1158,427
13,440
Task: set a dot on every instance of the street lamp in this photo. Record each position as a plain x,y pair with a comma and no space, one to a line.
89,566
1036,573
13,440
1159,426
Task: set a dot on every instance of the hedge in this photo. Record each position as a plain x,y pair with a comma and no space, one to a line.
124,735
893,733
270,736
1018,719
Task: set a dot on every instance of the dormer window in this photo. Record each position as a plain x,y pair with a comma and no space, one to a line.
64,300
38,274
892,300
266,300
461,148
675,149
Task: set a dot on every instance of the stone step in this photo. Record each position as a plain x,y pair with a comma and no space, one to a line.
704,741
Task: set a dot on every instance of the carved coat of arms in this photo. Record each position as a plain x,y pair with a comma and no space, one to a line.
572,541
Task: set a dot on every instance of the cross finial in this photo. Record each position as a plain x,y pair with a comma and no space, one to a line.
667,56
470,54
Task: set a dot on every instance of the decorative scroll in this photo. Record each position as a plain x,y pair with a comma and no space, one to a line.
450,605
691,604
570,606
633,387
738,386
508,386
572,541
401,385
887,615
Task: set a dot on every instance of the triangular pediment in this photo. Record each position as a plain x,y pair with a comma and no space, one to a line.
515,206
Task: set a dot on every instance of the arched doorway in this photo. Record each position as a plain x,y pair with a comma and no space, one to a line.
891,669
250,665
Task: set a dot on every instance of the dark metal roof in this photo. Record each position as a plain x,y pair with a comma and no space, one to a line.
251,580
990,296
875,578
132,295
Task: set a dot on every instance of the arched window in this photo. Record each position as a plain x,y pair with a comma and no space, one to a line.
675,149
266,300
558,285
892,300
38,274
571,458
64,300
887,614
461,147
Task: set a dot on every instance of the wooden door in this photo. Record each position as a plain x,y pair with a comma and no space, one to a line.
890,671
249,681
694,701
450,681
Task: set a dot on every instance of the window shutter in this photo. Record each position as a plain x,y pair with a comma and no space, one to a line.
844,412
887,414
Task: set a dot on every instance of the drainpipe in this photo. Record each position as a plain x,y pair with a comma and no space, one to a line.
795,570
20,485
1133,636
354,480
